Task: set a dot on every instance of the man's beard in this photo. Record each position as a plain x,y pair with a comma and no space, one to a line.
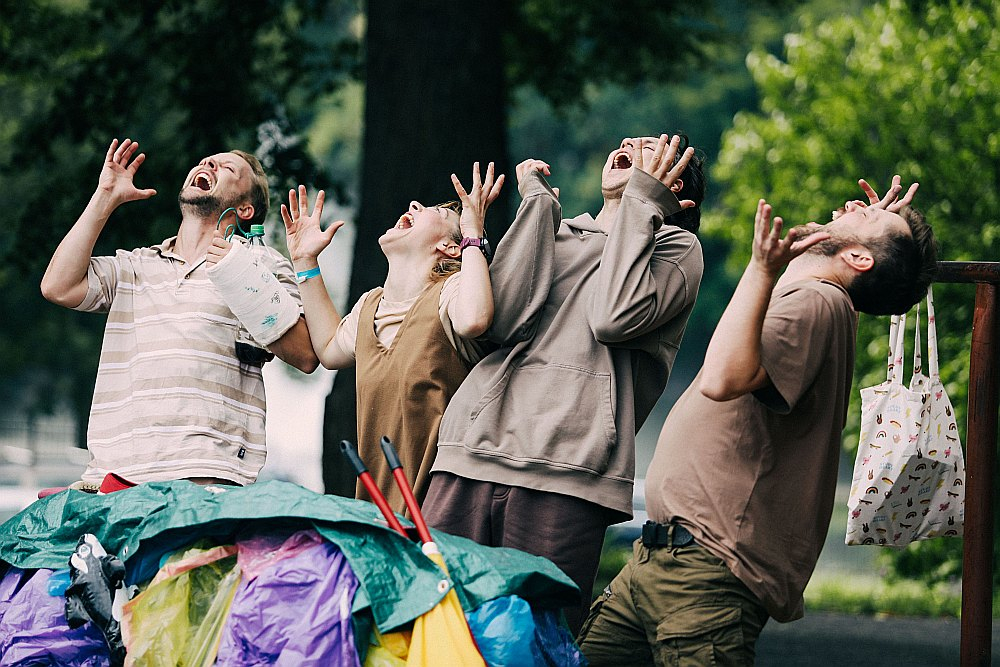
205,205
831,246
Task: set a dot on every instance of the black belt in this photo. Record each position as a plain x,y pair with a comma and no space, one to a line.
665,535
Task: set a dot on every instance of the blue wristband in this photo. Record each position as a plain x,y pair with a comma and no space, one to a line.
303,276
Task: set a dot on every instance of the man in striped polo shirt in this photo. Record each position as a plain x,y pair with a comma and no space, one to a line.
172,399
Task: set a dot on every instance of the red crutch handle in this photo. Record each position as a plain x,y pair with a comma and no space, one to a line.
351,453
404,486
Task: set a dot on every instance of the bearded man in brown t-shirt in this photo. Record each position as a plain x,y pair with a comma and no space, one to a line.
740,490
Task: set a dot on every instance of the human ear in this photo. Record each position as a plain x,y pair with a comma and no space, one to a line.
245,212
858,258
450,249
677,185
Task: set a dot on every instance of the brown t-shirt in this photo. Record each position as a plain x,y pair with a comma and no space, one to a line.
753,478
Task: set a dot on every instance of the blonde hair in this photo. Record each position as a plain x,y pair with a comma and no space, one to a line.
447,266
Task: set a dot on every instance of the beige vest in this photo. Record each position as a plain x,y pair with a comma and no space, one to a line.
403,391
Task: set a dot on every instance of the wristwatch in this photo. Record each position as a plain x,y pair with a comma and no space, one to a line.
480,243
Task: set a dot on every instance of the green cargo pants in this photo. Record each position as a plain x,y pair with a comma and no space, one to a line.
673,606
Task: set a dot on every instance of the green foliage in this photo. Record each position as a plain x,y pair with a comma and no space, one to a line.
908,88
853,595
185,79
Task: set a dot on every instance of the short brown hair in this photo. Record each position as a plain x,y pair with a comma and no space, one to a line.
260,197
904,267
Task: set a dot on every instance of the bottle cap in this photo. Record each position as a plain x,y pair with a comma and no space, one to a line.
256,230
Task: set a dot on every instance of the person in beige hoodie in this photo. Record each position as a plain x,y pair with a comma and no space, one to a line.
536,448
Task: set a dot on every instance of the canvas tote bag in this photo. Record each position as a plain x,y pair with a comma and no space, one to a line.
909,476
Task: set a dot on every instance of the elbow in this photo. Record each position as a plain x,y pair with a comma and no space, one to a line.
307,363
54,293
607,331
474,328
719,388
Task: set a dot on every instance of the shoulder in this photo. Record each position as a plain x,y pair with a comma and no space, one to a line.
813,300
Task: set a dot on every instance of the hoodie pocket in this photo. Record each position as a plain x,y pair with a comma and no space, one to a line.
551,414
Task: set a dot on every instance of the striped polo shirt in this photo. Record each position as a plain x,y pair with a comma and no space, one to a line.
172,400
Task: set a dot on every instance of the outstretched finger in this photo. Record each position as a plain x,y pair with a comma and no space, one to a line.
477,182
488,181
293,204
320,200
682,163
762,220
907,198
661,145
332,229
637,153
303,201
460,190
139,159
869,191
892,194
121,150
130,151
668,160
111,150
495,190
287,218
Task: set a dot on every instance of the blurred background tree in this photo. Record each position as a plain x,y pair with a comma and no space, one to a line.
907,88
186,79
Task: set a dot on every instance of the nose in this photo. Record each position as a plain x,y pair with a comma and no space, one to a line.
628,142
415,206
208,162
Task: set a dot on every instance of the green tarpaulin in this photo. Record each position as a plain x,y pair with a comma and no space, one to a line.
398,581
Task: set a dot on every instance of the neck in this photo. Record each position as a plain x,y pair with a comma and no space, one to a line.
810,266
608,213
408,277
194,236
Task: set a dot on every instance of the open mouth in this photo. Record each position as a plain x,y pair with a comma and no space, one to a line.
202,181
622,161
405,222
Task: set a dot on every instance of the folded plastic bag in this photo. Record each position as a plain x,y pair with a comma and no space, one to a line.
178,619
33,627
296,611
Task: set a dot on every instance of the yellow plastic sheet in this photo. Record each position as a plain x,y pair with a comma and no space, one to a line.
442,636
178,619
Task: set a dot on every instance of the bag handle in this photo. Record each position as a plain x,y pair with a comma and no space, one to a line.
897,338
932,346
917,359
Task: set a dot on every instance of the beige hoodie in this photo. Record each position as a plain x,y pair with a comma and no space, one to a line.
589,324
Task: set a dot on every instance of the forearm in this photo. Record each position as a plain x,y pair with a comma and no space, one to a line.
471,311
295,348
321,318
522,270
733,359
641,281
65,278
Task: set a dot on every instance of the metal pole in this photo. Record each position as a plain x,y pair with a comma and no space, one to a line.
981,444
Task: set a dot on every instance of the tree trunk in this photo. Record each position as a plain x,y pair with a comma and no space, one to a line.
435,102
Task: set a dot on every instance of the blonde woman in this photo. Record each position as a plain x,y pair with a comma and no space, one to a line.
412,339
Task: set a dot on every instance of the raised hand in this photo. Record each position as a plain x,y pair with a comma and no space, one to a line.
303,234
531,164
771,252
661,166
478,198
891,201
118,174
